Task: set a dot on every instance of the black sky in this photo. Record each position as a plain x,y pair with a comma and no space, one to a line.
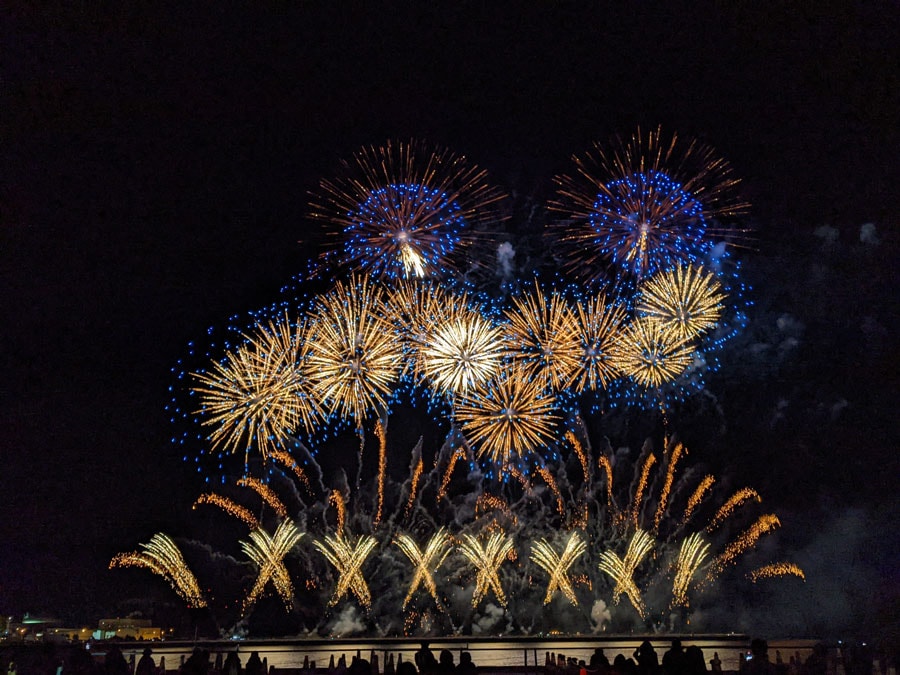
156,160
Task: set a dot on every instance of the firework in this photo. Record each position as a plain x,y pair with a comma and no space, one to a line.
268,553
348,561
229,507
603,462
486,559
622,570
513,415
691,555
267,494
459,454
696,497
779,569
650,355
685,300
642,205
641,489
354,357
667,485
258,395
426,562
403,209
744,541
161,556
557,566
547,475
463,353
414,484
382,468
599,326
340,508
284,457
545,334
582,456
737,499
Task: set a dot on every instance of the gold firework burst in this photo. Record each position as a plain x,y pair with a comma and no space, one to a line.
746,540
685,300
353,353
426,562
691,555
557,565
737,499
779,569
486,559
546,337
511,416
228,506
599,326
650,355
621,570
268,494
163,557
258,394
348,561
268,553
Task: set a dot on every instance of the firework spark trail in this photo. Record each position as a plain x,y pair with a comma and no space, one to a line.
403,209
641,489
487,502
737,499
258,395
622,570
642,204
599,327
228,506
162,556
426,562
686,301
414,484
667,485
382,468
268,553
558,566
340,508
603,462
512,416
458,454
486,559
354,355
650,355
691,555
546,335
744,541
779,569
267,494
546,474
582,456
348,561
697,497
285,459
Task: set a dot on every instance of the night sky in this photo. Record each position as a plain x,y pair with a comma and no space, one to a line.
156,165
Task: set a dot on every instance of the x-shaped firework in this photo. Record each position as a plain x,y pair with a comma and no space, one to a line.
268,553
426,562
622,570
487,560
348,561
557,566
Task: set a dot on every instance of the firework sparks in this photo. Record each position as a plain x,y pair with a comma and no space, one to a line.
285,459
667,485
268,553
642,205
641,489
354,356
622,570
547,475
511,416
486,559
737,499
348,561
557,566
582,455
691,555
267,494
779,569
603,462
258,395
340,508
599,327
161,556
403,209
685,300
744,541
546,337
649,354
459,454
417,472
697,497
228,506
426,562
382,468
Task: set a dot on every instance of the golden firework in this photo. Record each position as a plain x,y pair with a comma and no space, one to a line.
779,569
284,457
258,395
650,355
459,454
691,555
348,561
354,356
641,489
228,506
162,556
268,495
340,508
557,565
486,559
622,570
582,456
746,540
382,469
268,553
414,479
737,499
426,562
546,337
511,416
696,497
599,326
685,300
547,475
667,485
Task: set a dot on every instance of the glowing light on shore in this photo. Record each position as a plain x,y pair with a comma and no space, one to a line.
267,494
685,300
622,570
425,562
229,506
779,569
268,553
163,557
486,559
691,555
348,560
557,566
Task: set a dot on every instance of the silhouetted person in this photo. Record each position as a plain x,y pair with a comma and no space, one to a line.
466,667
598,660
620,665
694,662
673,660
197,663
445,663
115,663
254,665
647,660
816,663
146,665
425,660
360,666
232,665
715,663
406,668
758,659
